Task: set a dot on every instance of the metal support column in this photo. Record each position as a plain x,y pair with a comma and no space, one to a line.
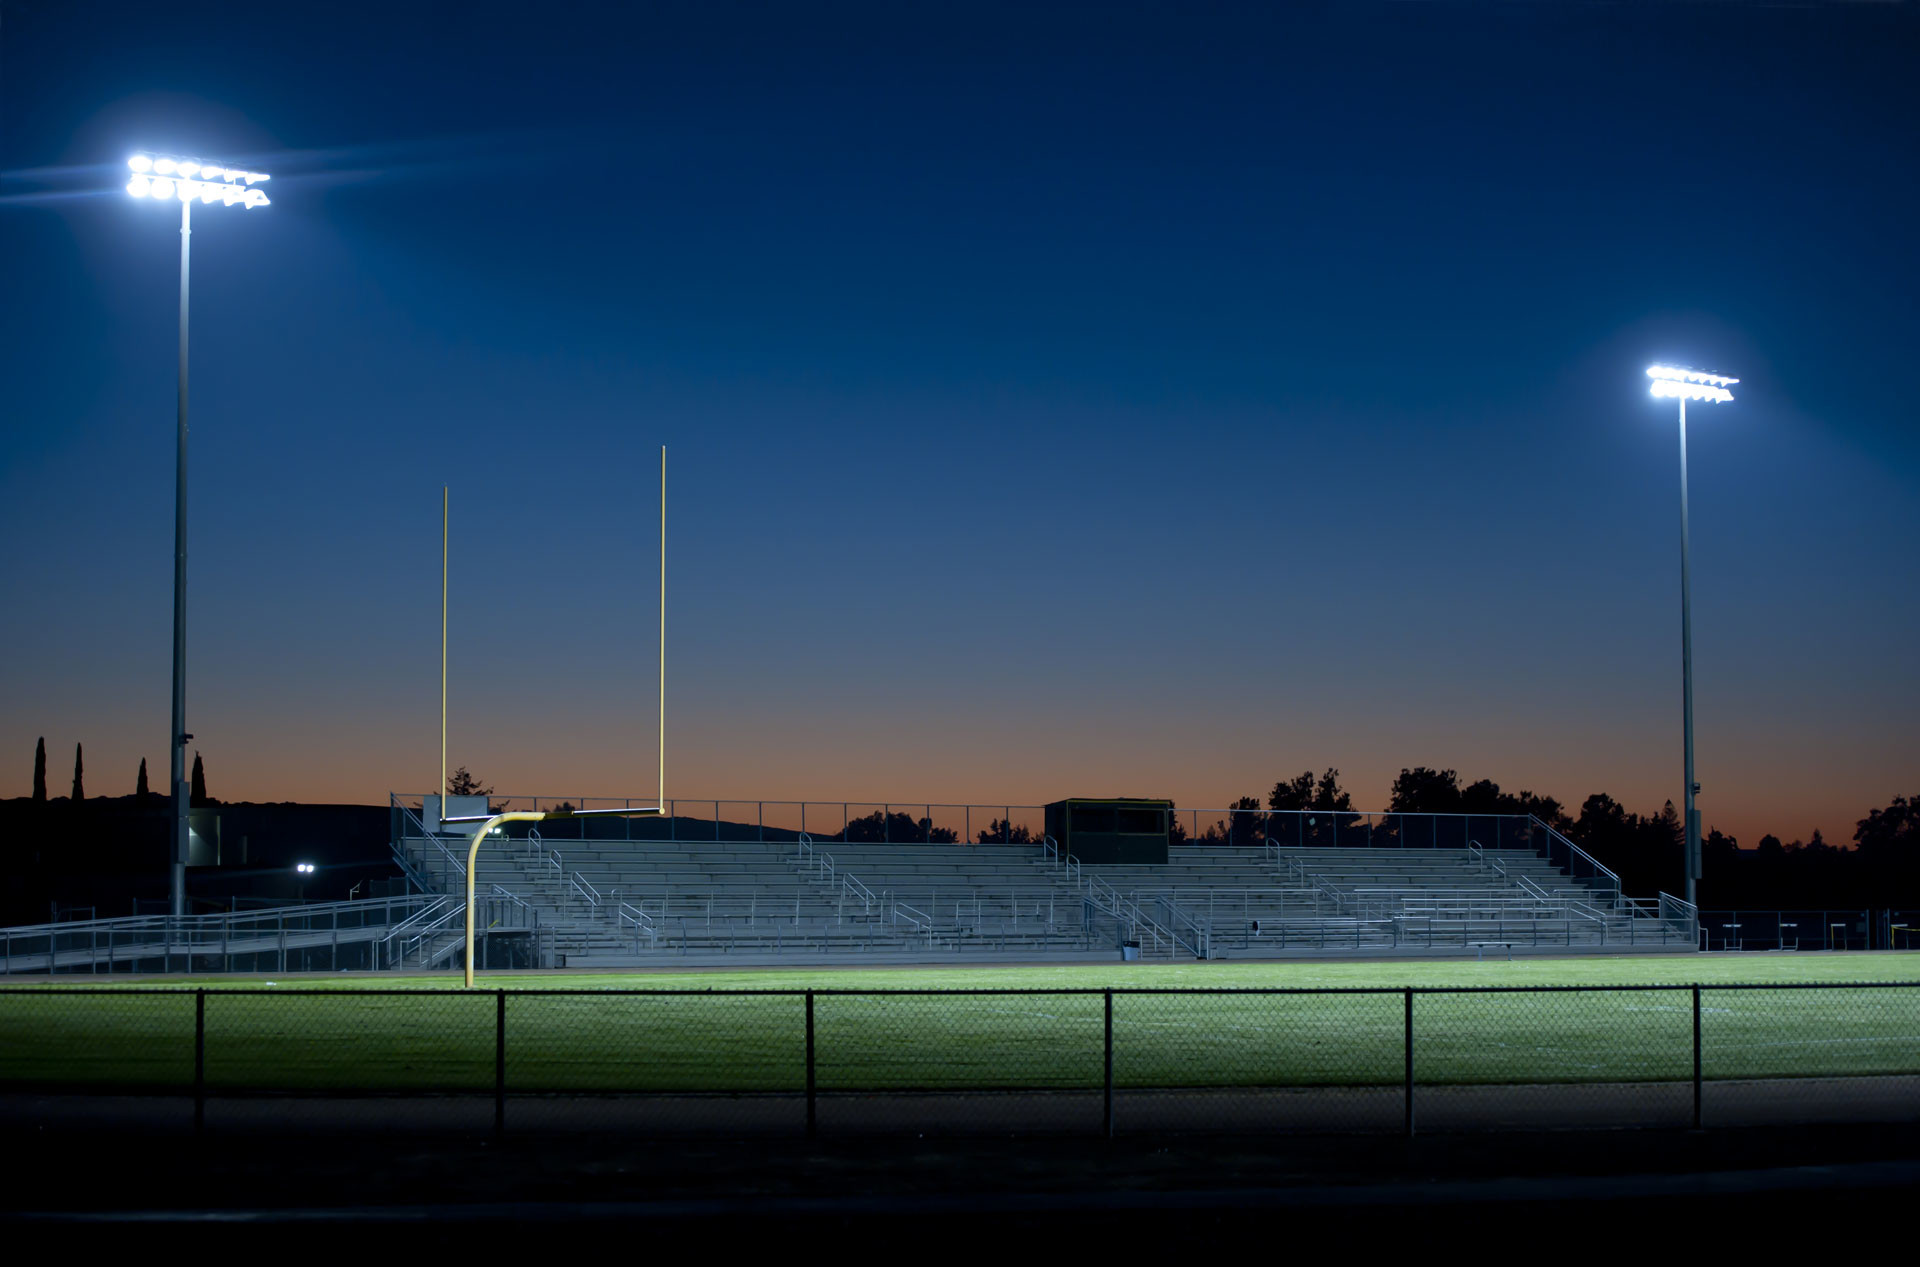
177,741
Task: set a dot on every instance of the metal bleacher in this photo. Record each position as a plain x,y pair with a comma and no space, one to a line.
786,896
624,903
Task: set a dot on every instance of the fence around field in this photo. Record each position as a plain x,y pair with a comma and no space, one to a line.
1083,1060
1749,929
693,821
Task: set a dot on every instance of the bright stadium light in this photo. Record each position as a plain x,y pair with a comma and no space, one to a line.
1673,382
1676,382
164,178
186,178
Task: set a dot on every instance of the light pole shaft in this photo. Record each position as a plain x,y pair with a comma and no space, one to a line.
178,743
1691,827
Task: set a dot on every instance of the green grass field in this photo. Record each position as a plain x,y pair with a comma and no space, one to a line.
284,1035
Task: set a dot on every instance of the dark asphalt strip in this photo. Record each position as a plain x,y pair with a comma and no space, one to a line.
1852,1177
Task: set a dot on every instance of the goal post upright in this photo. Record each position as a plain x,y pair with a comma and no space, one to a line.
441,791
488,822
663,629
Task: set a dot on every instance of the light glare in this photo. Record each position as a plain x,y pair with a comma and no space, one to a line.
186,178
1682,375
1667,387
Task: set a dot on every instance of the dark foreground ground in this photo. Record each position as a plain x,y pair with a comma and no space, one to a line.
290,1189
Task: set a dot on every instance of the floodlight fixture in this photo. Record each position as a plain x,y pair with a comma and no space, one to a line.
304,868
1677,383
160,177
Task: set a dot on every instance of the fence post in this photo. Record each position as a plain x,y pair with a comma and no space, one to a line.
1107,1081
499,1062
1696,1057
813,1122
1409,1045
199,1061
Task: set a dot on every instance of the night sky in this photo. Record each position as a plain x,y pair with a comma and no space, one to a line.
1096,401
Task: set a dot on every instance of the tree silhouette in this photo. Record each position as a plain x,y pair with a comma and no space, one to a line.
1424,791
881,826
140,787
1242,825
1001,832
1292,793
1890,834
197,794
79,784
460,783
40,772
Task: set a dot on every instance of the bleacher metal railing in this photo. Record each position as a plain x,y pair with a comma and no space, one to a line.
169,943
876,822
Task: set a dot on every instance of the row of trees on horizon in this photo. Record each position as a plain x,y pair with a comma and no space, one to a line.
197,789
1646,850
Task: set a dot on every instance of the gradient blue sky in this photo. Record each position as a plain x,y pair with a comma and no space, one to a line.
1098,400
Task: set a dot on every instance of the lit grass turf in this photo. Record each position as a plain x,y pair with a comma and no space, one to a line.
435,1037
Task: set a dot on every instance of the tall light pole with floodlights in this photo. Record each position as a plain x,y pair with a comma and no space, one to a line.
1676,383
164,178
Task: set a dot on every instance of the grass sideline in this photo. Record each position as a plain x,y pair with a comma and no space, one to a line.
437,1037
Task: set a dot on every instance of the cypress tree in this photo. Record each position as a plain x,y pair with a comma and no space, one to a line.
140,788
197,795
79,788
40,772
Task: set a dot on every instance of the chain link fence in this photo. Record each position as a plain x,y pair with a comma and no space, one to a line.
852,1062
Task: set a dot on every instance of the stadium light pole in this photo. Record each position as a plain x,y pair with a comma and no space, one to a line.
164,178
1673,382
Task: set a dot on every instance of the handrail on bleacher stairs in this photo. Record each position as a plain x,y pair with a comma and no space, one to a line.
1199,941
1558,846
1680,913
842,885
92,943
403,857
1097,896
919,920
642,923
1066,864
1297,871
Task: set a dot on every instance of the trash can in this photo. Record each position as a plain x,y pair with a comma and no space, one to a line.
1129,951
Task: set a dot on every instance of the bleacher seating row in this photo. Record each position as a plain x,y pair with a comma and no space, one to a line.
616,904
